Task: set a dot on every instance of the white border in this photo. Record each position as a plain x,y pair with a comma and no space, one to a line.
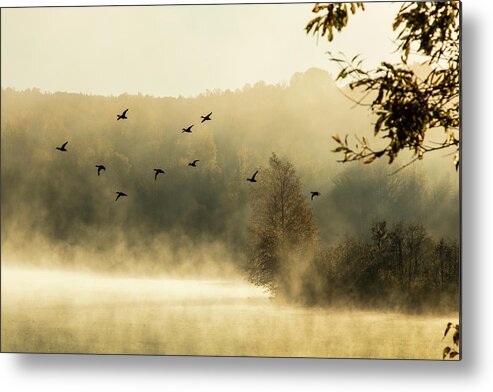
473,373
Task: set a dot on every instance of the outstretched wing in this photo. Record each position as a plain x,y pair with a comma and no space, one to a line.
120,194
254,174
125,112
207,117
197,160
64,144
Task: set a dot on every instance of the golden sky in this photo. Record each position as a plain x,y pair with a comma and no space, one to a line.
176,50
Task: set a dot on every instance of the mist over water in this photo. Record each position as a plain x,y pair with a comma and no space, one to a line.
162,270
87,313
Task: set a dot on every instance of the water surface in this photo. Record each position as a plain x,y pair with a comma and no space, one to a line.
68,312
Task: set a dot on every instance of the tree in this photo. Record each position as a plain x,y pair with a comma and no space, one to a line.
282,229
407,106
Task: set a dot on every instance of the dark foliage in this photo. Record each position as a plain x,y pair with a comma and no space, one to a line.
407,105
452,352
399,267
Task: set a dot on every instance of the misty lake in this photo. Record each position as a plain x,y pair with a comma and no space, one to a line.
53,311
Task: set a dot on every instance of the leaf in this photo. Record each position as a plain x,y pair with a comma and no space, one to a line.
456,338
342,74
378,124
397,22
453,354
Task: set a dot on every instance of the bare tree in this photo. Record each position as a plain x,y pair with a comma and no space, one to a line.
282,229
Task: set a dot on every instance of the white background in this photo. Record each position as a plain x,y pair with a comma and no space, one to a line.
473,373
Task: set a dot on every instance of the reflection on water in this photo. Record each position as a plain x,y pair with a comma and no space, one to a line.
50,311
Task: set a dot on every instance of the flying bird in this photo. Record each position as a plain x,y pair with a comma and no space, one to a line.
158,171
100,167
119,194
253,177
194,163
315,194
206,118
62,148
187,130
122,116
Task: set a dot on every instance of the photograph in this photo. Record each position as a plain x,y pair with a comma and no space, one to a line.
232,180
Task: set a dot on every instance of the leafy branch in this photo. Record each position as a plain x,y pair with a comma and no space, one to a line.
336,17
406,106
452,352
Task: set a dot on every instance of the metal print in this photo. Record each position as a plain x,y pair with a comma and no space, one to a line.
274,180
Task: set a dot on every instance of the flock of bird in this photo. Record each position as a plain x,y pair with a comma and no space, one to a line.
123,116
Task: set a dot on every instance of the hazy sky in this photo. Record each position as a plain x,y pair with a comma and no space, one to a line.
176,50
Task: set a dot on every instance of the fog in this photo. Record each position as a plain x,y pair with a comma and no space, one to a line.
191,217
162,271
86,313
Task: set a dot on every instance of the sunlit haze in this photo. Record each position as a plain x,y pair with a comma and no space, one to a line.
197,180
176,50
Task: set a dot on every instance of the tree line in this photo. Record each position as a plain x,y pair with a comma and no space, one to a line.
58,201
396,265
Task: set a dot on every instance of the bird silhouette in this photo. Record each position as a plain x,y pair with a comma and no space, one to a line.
100,167
62,148
122,116
120,194
194,163
206,118
253,177
187,130
315,194
158,171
